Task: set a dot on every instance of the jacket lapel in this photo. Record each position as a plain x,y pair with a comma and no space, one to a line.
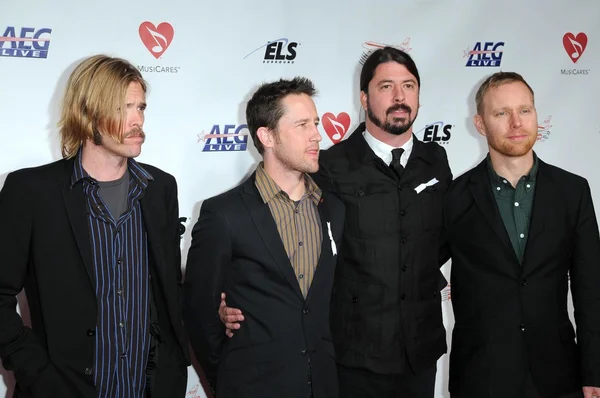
484,199
75,205
326,255
267,230
154,241
542,206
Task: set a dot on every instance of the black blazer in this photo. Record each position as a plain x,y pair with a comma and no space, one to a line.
236,249
512,318
45,248
386,304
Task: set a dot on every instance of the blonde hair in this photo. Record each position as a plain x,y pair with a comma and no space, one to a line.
94,101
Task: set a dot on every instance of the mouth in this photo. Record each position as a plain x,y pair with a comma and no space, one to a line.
313,152
518,137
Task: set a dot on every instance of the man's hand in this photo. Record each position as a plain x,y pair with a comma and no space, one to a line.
589,392
229,316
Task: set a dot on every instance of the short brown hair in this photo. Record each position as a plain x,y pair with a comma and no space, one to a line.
94,101
495,80
265,108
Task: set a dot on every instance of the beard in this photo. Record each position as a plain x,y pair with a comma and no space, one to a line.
512,149
295,163
392,127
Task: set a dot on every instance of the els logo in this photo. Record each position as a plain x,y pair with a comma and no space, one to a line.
575,45
484,54
336,127
16,45
156,38
232,138
279,51
436,132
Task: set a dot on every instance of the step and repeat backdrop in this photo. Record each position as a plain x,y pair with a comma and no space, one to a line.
204,59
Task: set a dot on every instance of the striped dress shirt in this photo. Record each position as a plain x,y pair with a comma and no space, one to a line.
298,223
121,280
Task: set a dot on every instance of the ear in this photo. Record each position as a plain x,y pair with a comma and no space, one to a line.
479,125
266,137
363,100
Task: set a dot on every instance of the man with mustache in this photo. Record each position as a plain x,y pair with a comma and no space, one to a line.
271,245
518,229
94,241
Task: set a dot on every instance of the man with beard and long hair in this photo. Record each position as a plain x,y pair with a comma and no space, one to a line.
94,241
518,230
271,245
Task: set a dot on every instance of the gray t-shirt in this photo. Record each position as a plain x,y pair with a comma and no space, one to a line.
114,194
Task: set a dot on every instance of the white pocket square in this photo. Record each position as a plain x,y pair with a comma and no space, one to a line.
421,187
333,246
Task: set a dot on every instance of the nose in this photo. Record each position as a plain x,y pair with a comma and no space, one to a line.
316,135
136,118
398,94
515,120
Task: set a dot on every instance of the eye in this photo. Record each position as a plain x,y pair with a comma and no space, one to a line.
502,113
386,86
409,85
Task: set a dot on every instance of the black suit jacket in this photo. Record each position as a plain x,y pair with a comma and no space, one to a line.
512,318
45,248
236,249
386,306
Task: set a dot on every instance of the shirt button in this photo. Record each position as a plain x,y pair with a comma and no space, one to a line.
301,276
522,327
91,332
404,268
305,311
88,371
528,186
354,300
516,204
522,236
121,324
504,181
300,243
361,192
523,282
403,213
304,353
119,261
123,356
404,240
119,292
403,296
497,188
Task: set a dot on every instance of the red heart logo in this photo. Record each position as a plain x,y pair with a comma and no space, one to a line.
336,127
575,45
156,38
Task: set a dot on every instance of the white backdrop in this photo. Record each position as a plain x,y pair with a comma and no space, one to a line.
203,59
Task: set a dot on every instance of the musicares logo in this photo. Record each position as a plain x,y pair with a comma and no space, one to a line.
336,127
156,38
574,46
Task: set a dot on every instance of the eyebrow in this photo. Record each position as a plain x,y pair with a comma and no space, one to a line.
392,81
142,104
306,120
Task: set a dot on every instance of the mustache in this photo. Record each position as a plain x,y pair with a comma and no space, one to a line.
136,131
398,107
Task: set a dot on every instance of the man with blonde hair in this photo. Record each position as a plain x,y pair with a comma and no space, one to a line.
518,230
94,241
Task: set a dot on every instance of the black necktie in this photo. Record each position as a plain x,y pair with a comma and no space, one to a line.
395,164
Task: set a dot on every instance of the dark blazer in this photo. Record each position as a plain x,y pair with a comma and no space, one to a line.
45,248
236,249
512,318
386,306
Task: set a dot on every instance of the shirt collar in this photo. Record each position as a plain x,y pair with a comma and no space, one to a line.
139,174
384,151
268,188
498,179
